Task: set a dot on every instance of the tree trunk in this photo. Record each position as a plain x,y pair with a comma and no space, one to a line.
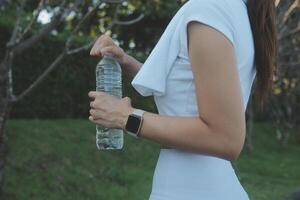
3,146
5,107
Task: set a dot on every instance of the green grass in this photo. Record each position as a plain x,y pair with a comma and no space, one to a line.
58,159
272,171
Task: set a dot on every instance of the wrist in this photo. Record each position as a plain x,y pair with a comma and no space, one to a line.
126,60
125,116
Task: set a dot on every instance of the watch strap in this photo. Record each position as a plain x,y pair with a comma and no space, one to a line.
138,112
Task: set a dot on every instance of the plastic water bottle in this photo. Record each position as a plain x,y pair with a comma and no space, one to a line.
109,80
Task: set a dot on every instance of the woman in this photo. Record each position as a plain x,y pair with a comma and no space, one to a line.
200,73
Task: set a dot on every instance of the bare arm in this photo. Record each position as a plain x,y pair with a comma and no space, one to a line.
220,129
131,66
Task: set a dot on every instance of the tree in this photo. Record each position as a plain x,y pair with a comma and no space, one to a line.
65,17
283,106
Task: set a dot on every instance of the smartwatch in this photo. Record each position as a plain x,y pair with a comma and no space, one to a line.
134,122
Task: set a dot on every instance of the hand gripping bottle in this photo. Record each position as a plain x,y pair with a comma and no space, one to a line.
109,80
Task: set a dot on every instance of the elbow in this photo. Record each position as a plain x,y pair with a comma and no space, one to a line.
233,154
233,146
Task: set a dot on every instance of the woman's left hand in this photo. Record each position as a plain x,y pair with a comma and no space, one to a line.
109,111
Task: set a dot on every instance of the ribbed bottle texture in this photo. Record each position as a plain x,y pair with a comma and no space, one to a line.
109,80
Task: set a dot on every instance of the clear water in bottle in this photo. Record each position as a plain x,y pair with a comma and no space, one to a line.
109,80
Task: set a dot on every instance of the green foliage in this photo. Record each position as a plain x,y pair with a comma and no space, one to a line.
64,92
157,14
58,159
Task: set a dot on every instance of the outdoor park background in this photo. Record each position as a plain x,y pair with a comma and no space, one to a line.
47,149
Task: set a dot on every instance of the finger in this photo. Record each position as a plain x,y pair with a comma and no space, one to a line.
95,47
101,42
98,51
92,51
95,51
128,99
93,104
107,33
97,105
97,114
94,94
104,40
111,51
100,122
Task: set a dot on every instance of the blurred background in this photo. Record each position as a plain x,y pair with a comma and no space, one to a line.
47,143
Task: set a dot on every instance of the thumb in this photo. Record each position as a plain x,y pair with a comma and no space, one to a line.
128,100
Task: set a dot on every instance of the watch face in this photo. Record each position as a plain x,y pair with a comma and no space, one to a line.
133,123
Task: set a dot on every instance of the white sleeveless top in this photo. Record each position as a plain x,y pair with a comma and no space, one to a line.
167,75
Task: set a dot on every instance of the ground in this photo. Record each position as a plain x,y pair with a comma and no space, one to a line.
58,159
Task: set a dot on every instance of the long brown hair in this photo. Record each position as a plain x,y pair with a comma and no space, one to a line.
262,14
